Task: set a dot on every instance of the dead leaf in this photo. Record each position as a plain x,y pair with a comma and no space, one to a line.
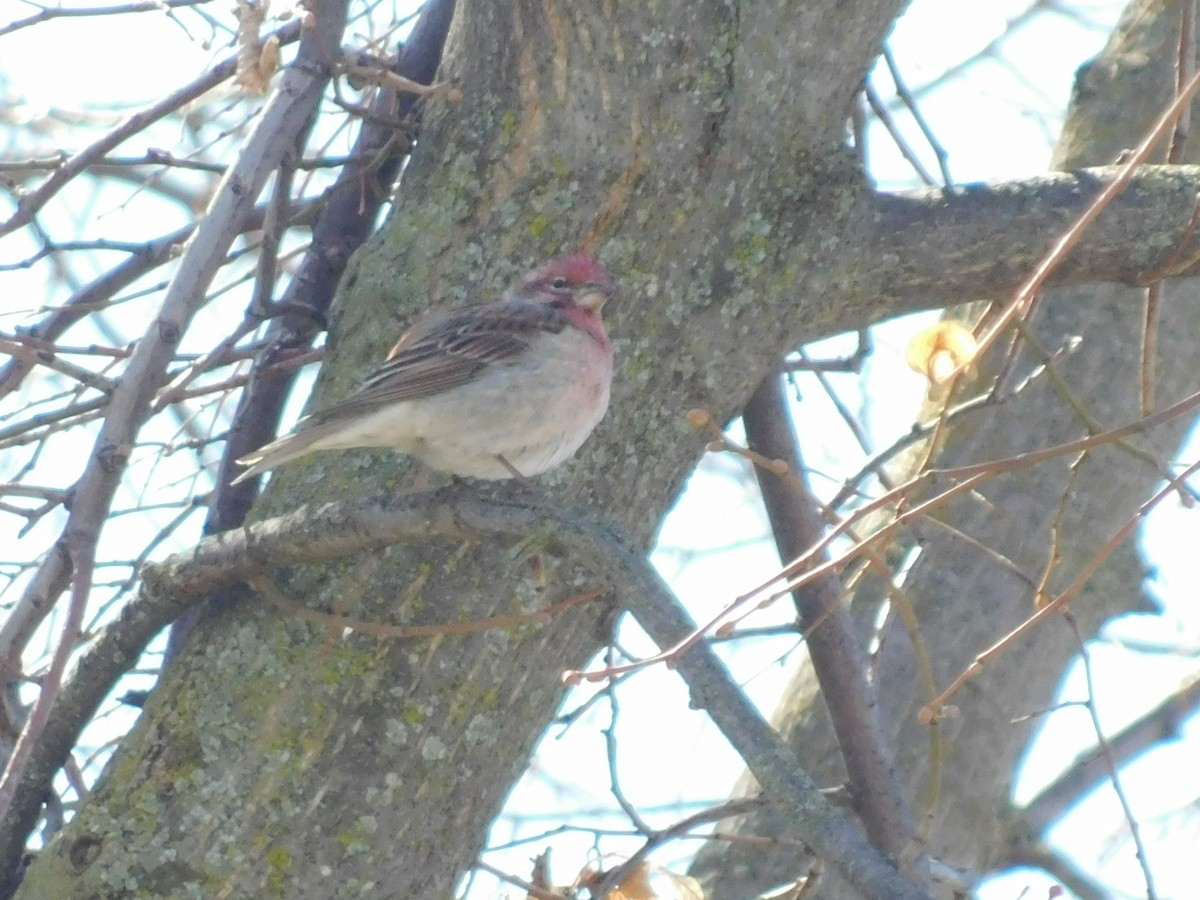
941,351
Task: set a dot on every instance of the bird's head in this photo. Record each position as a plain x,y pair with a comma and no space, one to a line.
575,280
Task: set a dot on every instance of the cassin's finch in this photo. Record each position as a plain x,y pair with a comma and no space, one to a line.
492,390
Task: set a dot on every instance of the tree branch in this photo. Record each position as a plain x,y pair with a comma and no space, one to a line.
935,248
335,530
31,203
838,659
97,293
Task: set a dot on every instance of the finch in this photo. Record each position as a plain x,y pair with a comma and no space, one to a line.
496,390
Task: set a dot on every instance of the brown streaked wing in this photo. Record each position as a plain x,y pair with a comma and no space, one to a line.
450,352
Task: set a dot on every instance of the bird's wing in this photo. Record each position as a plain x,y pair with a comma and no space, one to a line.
448,351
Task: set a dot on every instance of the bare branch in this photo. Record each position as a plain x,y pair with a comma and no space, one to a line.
838,658
937,248
727,810
97,293
47,13
1110,761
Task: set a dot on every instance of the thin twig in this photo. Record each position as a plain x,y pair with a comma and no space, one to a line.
1164,720
925,430
29,204
885,119
1065,244
656,839
910,103
47,13
610,746
1056,604
530,889
1110,760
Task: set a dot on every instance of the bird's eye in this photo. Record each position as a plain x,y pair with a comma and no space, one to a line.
558,283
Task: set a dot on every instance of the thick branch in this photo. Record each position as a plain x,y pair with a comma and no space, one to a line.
337,530
935,248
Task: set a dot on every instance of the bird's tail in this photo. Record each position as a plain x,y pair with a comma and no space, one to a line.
292,446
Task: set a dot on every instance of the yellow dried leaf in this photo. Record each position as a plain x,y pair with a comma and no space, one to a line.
268,61
941,351
255,73
257,59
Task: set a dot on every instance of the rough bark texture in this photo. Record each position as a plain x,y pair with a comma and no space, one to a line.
964,600
697,147
937,248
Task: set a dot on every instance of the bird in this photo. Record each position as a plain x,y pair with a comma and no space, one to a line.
503,389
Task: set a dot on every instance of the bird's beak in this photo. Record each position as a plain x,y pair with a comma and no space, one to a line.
592,300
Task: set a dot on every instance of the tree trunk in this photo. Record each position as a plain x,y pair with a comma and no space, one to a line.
697,147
